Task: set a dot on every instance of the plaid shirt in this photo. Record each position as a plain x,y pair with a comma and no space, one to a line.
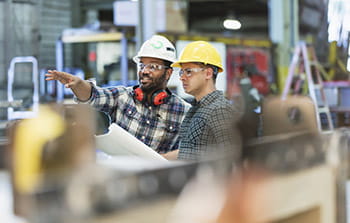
209,129
155,126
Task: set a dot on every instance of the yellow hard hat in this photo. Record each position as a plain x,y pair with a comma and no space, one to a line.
200,51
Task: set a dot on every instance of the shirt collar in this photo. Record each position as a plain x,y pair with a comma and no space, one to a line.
209,98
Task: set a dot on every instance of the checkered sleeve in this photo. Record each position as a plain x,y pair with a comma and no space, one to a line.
104,99
223,122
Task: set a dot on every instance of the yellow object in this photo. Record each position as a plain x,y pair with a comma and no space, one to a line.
332,58
282,76
200,51
30,137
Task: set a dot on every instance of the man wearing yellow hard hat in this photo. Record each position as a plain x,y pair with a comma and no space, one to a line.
208,129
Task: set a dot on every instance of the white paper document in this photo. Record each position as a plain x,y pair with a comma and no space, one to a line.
120,142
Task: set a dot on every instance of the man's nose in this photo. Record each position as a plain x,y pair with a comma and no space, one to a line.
144,71
182,77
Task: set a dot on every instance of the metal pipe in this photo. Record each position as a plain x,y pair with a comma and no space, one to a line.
139,26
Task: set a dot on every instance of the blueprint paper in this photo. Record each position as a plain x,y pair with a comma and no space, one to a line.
119,142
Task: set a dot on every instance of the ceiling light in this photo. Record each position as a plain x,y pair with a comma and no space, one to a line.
232,24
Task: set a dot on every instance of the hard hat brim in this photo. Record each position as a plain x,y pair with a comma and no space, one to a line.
178,64
136,58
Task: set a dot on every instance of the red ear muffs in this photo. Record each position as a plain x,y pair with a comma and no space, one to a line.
159,97
139,95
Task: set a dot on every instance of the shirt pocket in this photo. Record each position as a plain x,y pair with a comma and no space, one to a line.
130,112
129,119
167,130
172,127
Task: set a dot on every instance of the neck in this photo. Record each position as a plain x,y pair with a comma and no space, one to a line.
205,92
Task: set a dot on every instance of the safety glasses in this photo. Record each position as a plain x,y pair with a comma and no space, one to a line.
152,67
188,71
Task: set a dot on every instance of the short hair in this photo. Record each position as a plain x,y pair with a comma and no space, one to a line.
215,71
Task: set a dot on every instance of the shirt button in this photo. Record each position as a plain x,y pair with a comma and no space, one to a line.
147,121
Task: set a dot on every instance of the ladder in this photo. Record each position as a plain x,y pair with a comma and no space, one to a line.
304,59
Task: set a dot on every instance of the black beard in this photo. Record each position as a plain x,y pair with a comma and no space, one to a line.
156,83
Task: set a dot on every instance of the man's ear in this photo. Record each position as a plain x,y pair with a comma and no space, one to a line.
209,73
168,73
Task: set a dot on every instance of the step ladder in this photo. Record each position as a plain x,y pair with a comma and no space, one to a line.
305,68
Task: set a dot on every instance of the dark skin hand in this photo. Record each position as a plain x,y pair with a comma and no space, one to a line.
81,88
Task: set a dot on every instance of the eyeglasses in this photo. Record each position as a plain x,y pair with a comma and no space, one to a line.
151,67
188,71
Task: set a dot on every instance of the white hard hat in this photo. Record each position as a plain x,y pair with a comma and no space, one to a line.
157,47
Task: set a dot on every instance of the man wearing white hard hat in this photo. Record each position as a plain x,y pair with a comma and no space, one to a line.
149,111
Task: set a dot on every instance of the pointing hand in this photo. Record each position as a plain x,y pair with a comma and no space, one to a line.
67,79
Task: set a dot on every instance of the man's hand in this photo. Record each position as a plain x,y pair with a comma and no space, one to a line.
172,155
81,88
67,79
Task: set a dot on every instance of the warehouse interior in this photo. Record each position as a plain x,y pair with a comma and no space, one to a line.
295,122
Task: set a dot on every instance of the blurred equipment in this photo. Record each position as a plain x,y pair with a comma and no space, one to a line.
46,150
338,93
252,62
337,68
291,151
70,36
22,96
19,91
304,67
3,145
63,186
293,114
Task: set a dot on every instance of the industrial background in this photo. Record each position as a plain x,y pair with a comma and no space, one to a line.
33,28
283,46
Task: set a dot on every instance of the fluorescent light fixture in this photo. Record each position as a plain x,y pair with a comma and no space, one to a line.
232,24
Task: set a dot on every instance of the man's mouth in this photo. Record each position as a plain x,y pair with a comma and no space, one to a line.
145,80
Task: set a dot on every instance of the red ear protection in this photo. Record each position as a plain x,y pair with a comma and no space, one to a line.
159,97
138,94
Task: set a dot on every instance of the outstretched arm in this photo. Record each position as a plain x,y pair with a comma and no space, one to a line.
81,88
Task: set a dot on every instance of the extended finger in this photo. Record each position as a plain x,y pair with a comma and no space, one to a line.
49,77
52,71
